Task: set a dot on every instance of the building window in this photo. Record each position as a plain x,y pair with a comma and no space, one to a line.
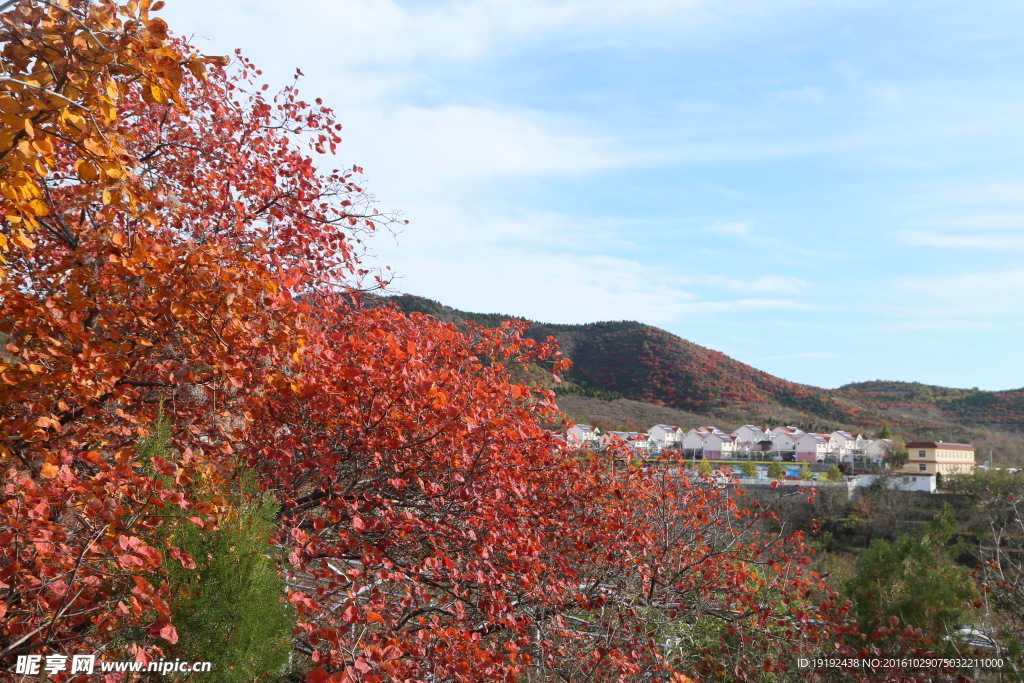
921,454
923,467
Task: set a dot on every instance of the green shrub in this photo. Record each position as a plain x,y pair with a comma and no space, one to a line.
231,609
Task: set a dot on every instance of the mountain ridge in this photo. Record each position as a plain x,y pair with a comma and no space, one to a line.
642,363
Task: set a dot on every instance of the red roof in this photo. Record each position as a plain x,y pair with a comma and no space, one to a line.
941,444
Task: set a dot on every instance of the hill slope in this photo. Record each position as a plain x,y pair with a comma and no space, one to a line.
649,365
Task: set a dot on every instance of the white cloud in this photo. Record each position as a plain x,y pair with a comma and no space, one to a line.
457,143
733,228
549,267
763,283
806,95
386,32
984,241
975,301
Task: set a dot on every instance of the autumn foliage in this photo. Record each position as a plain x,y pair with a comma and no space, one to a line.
170,245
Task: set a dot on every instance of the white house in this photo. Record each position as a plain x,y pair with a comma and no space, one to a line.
583,436
878,449
749,435
842,444
719,445
693,440
666,436
784,438
811,447
640,443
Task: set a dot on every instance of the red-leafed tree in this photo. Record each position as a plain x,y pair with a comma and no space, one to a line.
437,531
159,220
170,244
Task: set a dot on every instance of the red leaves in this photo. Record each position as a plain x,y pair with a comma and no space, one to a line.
461,530
351,614
318,676
475,544
182,556
169,633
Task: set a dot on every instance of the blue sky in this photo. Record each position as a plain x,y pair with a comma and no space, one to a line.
828,191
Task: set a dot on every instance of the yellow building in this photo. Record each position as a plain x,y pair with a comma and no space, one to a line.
934,457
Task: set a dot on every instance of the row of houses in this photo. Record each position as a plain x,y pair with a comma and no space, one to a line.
714,444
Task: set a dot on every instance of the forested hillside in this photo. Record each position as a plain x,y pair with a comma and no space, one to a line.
630,360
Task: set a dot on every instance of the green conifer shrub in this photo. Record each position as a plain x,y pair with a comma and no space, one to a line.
231,610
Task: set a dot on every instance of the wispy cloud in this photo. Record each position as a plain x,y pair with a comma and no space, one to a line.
388,32
688,163
981,300
762,283
455,144
733,228
979,241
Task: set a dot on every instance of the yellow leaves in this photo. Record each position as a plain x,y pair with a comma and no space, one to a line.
153,94
112,170
42,145
86,171
197,66
107,110
72,119
157,27
20,239
48,470
113,93
94,146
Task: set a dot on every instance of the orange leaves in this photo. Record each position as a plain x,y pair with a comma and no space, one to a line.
76,98
20,239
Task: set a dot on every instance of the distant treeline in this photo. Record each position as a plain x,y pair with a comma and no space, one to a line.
563,389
